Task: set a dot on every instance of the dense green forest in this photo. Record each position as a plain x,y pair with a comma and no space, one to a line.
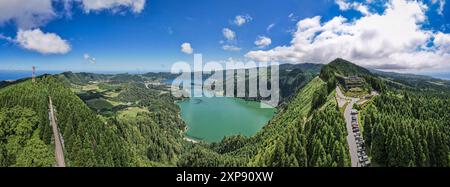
89,139
296,136
408,124
117,120
408,129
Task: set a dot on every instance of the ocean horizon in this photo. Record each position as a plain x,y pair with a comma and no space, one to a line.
11,75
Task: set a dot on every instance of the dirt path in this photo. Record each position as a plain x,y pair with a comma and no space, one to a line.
59,154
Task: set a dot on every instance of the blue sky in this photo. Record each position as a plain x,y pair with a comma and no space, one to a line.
121,39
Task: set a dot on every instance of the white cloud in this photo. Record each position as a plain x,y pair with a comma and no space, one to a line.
442,41
230,48
345,5
292,17
230,43
394,39
96,5
67,5
270,27
29,15
89,58
228,34
186,48
240,20
263,41
26,13
45,43
7,38
441,3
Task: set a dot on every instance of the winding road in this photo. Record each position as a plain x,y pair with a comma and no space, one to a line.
348,121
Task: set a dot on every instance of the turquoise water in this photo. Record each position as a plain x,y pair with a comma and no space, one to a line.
211,119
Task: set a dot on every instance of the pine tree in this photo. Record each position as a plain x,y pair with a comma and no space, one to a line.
378,149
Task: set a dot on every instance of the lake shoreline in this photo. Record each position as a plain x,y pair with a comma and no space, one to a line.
186,138
213,118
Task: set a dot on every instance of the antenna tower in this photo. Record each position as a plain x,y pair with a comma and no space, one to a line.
34,74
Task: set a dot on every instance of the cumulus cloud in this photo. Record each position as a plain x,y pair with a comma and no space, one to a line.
230,43
96,5
228,34
441,3
29,15
345,5
230,48
394,39
89,58
442,42
263,41
26,14
186,48
240,20
45,43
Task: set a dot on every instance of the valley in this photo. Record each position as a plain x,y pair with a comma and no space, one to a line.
133,120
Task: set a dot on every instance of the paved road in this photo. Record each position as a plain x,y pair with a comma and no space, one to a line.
59,154
348,121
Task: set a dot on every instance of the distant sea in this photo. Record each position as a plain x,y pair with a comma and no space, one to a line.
440,75
19,74
445,76
12,75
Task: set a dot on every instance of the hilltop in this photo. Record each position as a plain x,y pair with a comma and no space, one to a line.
119,120
379,80
407,123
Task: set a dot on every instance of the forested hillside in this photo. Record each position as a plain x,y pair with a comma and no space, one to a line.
408,129
414,82
296,136
89,139
132,120
408,124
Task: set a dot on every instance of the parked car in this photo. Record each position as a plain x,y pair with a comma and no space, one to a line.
360,159
362,152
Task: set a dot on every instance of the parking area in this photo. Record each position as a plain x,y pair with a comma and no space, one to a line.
363,159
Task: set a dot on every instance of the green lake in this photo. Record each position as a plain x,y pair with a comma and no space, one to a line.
211,119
